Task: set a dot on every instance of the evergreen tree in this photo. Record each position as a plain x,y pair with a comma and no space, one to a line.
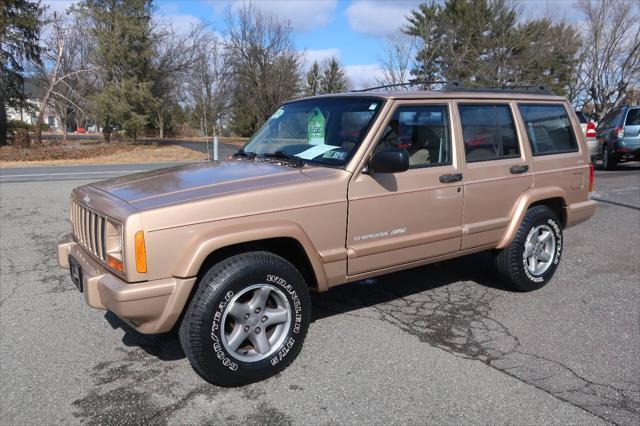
20,25
483,41
333,78
121,32
314,75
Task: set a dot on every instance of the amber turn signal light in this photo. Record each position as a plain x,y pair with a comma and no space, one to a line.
115,263
141,254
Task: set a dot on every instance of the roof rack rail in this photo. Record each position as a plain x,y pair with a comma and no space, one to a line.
459,86
410,83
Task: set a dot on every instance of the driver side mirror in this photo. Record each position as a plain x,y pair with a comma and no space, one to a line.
391,160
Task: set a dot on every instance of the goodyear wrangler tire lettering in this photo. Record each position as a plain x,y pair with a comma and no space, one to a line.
247,320
535,252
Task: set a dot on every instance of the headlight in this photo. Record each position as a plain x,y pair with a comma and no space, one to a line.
113,244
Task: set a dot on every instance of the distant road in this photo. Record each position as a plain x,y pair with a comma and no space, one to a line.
75,172
101,171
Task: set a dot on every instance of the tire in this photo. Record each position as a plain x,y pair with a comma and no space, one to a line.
609,161
539,237
224,329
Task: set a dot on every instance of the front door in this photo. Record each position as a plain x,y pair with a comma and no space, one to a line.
495,172
400,218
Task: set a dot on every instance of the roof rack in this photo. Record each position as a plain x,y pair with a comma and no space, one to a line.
410,83
459,86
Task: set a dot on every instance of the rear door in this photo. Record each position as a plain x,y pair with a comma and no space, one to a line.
495,172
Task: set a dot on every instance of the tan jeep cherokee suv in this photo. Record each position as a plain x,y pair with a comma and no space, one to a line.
332,189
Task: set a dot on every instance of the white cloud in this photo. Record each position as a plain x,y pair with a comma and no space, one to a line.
319,55
181,23
363,76
379,17
304,16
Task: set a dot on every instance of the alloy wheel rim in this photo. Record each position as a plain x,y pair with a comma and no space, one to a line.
539,249
255,322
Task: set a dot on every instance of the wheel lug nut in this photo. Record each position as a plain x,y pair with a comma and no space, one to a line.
258,330
257,310
264,318
246,328
246,316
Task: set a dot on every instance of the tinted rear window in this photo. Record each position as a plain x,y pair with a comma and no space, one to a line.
633,117
489,132
548,128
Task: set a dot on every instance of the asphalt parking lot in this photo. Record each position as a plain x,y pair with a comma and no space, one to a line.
440,344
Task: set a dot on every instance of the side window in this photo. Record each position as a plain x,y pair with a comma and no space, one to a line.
549,129
489,132
423,131
633,117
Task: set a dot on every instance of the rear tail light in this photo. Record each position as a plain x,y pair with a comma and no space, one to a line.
591,130
592,177
620,132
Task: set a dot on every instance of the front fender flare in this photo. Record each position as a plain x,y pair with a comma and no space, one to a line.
205,244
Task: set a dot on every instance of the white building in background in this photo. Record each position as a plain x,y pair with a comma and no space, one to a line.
28,115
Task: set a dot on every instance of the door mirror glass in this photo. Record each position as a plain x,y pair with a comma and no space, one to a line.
391,160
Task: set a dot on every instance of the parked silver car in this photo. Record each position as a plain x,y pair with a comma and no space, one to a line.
590,135
619,136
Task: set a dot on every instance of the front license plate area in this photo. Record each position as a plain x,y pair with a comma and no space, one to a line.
76,273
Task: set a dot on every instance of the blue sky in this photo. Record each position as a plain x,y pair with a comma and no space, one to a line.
354,31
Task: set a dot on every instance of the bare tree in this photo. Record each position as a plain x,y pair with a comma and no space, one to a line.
397,61
265,66
209,86
55,71
175,56
611,57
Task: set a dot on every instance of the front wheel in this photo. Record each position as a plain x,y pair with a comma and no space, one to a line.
533,256
247,320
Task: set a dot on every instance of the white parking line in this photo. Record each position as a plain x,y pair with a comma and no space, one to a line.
73,173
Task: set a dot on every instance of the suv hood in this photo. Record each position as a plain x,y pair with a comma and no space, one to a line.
182,183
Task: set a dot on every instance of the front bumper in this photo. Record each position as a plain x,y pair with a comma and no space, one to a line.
628,153
150,307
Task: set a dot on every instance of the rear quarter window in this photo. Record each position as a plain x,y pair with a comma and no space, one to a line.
548,128
633,117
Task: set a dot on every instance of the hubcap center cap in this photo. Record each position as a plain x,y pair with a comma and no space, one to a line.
254,321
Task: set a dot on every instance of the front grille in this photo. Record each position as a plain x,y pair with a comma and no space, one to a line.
89,229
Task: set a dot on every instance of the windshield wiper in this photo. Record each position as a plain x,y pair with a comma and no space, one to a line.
242,153
281,155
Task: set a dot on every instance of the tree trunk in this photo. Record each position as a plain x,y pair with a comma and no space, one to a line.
3,122
161,127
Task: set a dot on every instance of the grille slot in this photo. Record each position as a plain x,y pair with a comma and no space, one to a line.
89,228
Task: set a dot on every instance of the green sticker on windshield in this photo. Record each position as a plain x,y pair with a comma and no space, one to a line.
315,127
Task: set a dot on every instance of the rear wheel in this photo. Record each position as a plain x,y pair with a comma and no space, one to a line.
609,161
247,320
533,256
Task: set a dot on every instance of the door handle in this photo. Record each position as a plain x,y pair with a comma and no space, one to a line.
519,169
453,177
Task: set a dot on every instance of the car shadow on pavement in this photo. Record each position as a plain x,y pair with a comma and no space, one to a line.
343,299
165,346
623,167
385,288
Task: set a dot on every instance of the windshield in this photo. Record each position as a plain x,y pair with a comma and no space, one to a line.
324,131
